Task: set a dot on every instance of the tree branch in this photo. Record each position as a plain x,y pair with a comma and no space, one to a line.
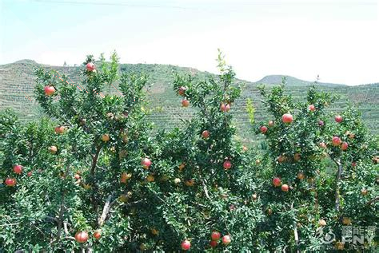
65,228
37,228
60,218
93,167
94,160
338,179
70,238
10,224
135,202
53,219
61,211
295,233
108,206
316,196
373,200
205,189
106,209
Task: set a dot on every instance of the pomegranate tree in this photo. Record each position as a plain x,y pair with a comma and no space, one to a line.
319,165
77,158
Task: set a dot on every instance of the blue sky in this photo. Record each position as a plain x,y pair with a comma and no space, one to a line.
336,39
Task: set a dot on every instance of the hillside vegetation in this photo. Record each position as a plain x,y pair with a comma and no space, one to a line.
17,82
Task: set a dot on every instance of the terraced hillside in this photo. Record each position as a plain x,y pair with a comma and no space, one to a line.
17,80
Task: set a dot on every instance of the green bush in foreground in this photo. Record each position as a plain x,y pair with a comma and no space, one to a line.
319,177
94,177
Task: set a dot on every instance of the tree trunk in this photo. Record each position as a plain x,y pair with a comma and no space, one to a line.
106,209
93,169
296,235
295,232
338,179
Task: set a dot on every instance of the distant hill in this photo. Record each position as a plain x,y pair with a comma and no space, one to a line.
17,81
293,81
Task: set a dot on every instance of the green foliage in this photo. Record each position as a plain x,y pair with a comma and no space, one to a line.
71,186
93,183
201,178
325,181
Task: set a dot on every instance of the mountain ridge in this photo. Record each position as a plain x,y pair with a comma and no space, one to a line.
17,91
268,79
